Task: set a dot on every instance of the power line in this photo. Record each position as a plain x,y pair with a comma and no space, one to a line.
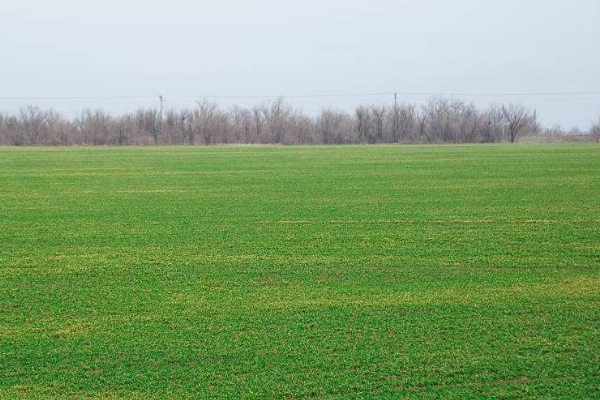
76,97
274,96
503,94
312,95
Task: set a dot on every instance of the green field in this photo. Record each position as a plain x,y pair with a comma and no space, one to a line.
418,272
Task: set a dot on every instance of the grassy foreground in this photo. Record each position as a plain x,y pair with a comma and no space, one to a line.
419,272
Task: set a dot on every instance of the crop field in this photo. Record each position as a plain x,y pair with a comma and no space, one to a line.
381,272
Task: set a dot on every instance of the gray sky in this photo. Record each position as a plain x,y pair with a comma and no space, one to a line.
270,47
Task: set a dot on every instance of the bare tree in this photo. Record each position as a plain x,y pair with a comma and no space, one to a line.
329,124
95,127
204,121
595,131
407,122
555,129
276,116
13,131
363,124
257,123
467,123
3,131
33,124
440,120
518,119
422,122
378,114
491,122
241,121
395,120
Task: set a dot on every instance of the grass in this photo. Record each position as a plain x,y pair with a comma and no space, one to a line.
421,272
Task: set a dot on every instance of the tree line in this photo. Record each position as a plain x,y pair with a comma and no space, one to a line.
440,120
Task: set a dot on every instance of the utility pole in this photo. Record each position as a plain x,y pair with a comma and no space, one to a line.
161,99
160,114
395,118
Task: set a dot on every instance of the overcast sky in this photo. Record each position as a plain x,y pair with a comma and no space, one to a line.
276,47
